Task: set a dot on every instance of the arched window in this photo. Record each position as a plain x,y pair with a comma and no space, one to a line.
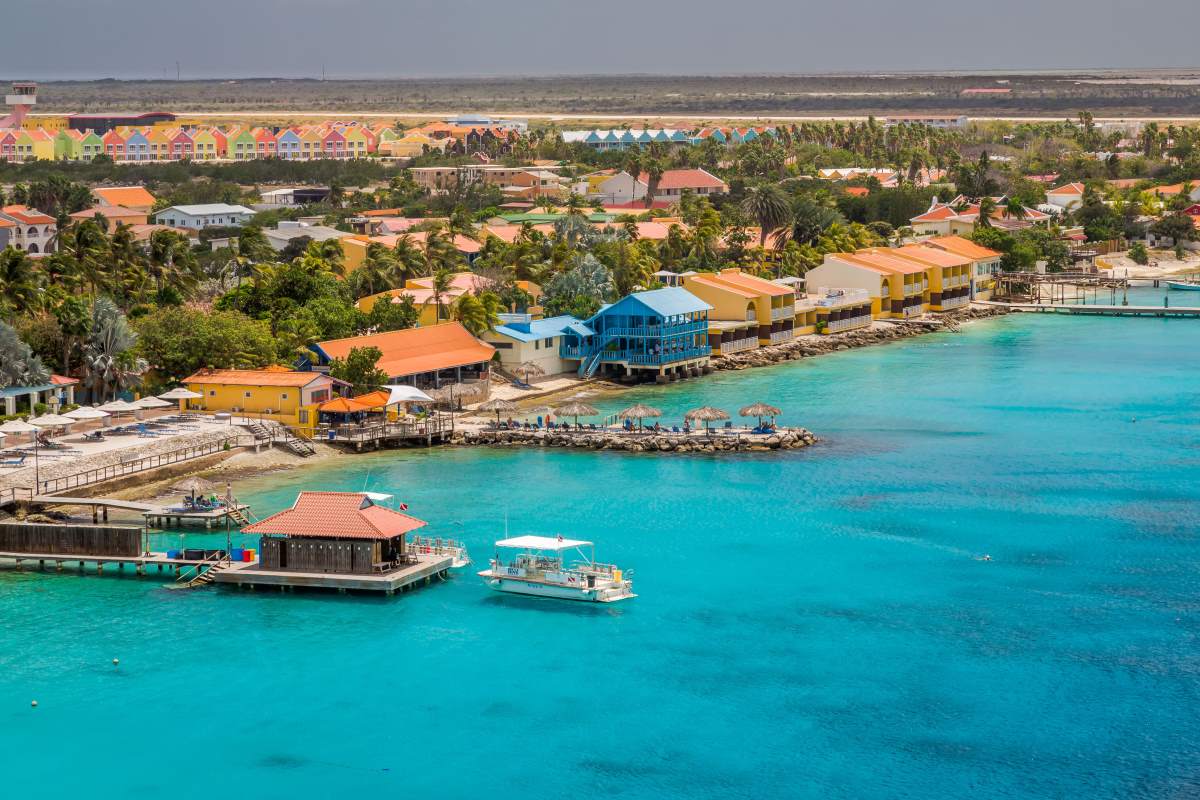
33,248
32,231
751,313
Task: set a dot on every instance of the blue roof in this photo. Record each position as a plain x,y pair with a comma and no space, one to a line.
669,302
538,329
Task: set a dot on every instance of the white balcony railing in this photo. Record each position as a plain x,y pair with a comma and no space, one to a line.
779,337
786,312
955,302
738,346
848,323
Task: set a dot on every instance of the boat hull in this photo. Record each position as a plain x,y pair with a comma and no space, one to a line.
598,594
1187,287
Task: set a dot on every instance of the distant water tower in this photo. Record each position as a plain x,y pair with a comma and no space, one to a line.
21,99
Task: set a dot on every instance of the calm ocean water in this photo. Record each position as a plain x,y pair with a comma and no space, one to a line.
810,625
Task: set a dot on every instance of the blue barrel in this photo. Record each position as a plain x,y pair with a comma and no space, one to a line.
237,553
172,554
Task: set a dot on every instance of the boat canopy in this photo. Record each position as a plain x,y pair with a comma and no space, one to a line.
379,497
541,543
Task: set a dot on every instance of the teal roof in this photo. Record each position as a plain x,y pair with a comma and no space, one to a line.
539,329
669,302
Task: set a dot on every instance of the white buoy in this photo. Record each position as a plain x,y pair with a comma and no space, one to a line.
33,703
116,661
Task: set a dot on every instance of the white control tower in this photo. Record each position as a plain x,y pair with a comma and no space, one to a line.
21,99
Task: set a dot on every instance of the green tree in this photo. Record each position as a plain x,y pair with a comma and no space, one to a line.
18,364
393,316
1176,227
768,206
178,341
359,368
1138,254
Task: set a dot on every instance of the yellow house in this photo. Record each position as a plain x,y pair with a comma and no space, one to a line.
949,275
205,145
985,263
277,393
740,297
311,142
158,143
356,142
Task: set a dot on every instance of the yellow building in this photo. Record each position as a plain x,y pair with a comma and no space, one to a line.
49,124
277,393
898,287
949,275
841,310
738,297
985,263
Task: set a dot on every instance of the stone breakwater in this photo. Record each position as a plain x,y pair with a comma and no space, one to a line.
664,442
877,333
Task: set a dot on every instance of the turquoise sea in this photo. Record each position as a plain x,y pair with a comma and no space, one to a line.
816,624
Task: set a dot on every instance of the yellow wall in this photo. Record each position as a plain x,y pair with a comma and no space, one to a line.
225,397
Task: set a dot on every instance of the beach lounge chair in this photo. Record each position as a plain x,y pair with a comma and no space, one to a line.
145,432
728,426
13,460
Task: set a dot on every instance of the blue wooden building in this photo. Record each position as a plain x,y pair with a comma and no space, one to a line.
660,334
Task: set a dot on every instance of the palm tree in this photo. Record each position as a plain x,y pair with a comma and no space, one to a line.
379,271
410,260
18,280
440,253
18,365
442,281
987,207
171,261
654,169
127,260
768,206
108,366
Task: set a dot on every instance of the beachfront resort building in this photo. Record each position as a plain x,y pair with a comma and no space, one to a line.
524,339
898,287
334,532
660,334
29,229
425,357
985,263
277,393
949,275
625,188
959,217
747,311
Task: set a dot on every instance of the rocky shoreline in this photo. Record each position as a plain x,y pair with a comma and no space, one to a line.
664,442
876,333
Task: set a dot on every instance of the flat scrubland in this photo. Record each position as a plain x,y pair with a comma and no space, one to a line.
1058,94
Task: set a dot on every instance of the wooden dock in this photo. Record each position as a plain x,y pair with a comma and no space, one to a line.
426,569
141,563
1101,310
155,515
427,432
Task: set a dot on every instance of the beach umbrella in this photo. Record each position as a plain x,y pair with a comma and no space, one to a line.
499,406
85,413
152,402
193,486
51,421
18,426
528,370
706,414
640,412
180,393
117,407
449,393
760,410
576,409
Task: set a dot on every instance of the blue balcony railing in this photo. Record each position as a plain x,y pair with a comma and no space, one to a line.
657,331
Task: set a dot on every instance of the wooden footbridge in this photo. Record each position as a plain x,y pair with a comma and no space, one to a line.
155,515
1099,310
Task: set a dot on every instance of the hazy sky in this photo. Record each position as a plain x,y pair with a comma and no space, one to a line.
394,38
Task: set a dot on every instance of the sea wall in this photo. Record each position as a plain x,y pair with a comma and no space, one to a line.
877,333
664,442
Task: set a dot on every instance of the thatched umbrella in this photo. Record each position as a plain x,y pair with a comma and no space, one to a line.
449,394
193,486
527,370
706,414
760,410
576,409
499,406
640,412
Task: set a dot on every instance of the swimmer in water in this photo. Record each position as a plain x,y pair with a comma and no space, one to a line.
985,557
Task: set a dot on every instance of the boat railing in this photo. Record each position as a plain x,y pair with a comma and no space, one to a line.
427,545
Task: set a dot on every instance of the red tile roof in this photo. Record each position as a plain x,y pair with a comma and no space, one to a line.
27,215
685,179
336,515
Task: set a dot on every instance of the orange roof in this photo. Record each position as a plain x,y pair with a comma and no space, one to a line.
416,350
962,247
342,405
30,216
373,399
708,279
883,262
753,283
336,515
1070,188
931,256
857,191
128,196
6,224
110,212
255,377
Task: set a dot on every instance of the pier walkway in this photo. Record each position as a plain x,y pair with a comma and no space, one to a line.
426,568
1098,310
140,563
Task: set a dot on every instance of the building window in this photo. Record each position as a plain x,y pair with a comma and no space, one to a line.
283,396
247,394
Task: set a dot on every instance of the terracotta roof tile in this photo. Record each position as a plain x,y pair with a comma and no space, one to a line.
417,350
253,377
336,515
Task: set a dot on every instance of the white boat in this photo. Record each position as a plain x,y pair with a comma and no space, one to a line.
538,570
425,545
1182,285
